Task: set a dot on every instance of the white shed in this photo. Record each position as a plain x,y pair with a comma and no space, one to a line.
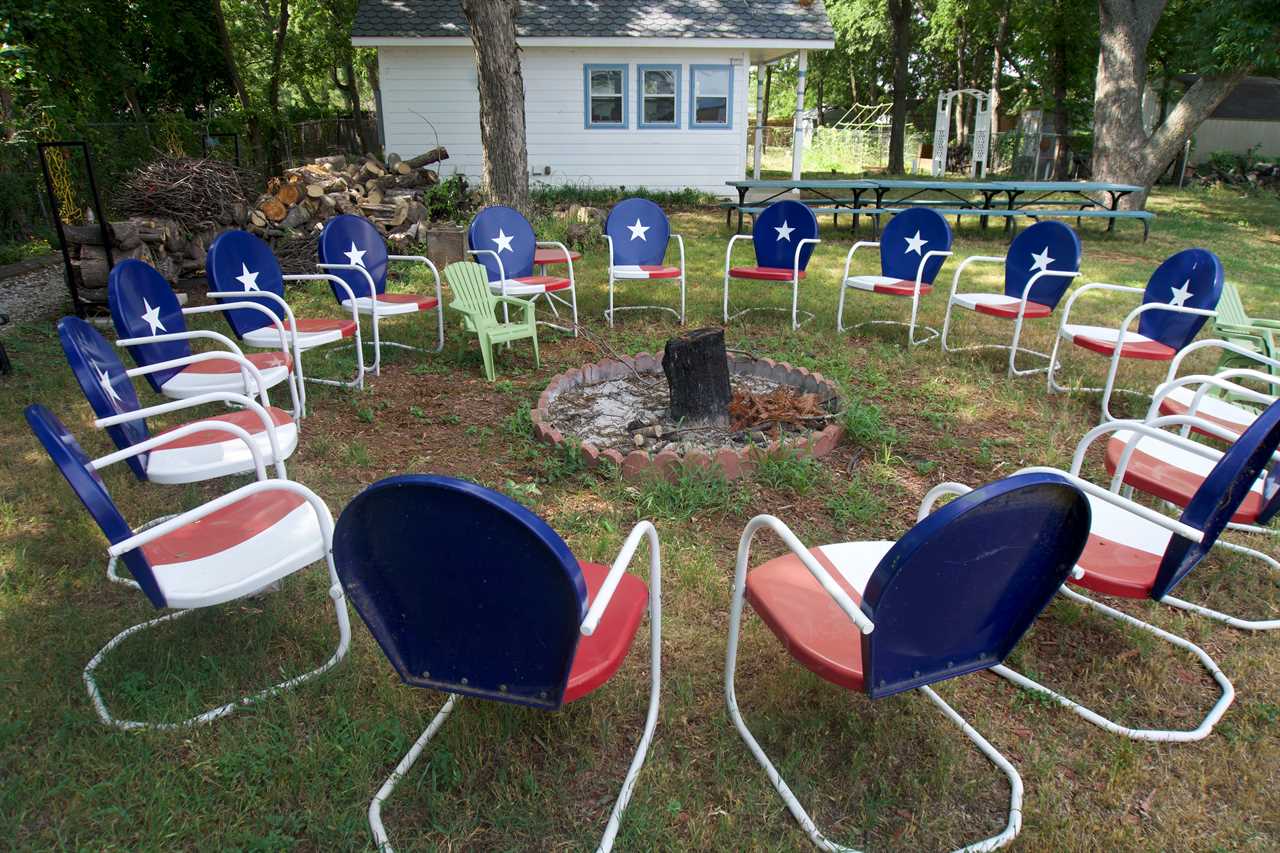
617,92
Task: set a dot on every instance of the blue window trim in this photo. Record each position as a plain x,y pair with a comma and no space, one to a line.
586,95
674,124
694,124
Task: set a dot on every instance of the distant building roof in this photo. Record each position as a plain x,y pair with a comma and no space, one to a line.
1256,98
691,19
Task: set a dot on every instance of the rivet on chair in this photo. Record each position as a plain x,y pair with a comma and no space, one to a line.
464,681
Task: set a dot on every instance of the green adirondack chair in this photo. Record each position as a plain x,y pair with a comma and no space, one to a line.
1235,325
477,304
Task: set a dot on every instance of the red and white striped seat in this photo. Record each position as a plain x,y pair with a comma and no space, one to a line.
764,273
1102,340
1215,410
1000,305
225,375
1123,553
530,285
887,285
309,333
393,303
213,453
643,271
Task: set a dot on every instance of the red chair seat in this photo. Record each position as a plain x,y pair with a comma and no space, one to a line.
1160,479
1009,311
661,271
812,627
260,360
223,529
312,325
1146,350
1170,406
599,656
1113,568
245,419
901,288
762,273
423,302
549,283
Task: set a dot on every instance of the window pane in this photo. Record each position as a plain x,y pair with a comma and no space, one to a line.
711,81
659,82
712,111
660,110
606,110
607,82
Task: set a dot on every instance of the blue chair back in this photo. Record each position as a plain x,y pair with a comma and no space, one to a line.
240,261
350,239
907,238
778,229
1047,245
465,590
102,378
1220,495
505,231
956,593
640,231
73,462
143,304
1192,278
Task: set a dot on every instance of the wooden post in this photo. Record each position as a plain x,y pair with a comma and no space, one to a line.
760,118
697,370
797,137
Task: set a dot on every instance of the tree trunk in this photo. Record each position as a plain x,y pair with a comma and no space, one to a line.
768,84
962,105
237,82
1058,64
275,156
498,77
997,63
900,20
1122,150
697,371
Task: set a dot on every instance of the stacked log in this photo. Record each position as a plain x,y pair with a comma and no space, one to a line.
156,240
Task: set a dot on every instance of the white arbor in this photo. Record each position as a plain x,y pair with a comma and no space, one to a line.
981,132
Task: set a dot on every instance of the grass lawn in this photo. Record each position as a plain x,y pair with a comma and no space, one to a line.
298,771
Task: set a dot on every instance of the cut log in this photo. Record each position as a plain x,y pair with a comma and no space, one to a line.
315,190
374,196
697,371
297,215
435,155
393,160
288,195
336,162
273,210
88,234
258,218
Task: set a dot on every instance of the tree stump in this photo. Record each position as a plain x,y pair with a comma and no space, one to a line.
697,371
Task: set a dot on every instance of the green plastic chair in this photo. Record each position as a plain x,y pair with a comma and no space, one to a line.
477,303
1235,325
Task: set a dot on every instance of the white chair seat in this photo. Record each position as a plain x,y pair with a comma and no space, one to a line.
219,375
885,284
237,550
973,300
1105,334
632,271
1215,409
1117,525
309,335
855,561
1173,473
205,455
392,304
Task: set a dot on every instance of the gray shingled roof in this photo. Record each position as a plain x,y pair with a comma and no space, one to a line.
694,19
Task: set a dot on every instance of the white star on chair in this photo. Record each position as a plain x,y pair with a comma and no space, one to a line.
356,255
638,231
1180,295
248,279
1041,261
915,244
151,316
503,240
784,231
104,379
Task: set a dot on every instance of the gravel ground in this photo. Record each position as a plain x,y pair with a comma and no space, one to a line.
37,295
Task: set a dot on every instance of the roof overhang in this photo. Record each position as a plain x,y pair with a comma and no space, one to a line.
766,46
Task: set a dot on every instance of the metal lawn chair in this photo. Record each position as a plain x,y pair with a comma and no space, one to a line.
1181,294
913,247
783,238
470,594
241,267
1038,269
478,305
637,232
151,323
352,249
224,550
951,597
502,241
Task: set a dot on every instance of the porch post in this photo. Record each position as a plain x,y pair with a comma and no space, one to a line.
759,142
797,136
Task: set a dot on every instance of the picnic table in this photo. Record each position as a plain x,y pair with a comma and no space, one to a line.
1006,199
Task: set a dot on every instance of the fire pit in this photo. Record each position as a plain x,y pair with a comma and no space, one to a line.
622,410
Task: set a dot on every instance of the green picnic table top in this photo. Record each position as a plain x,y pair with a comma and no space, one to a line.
943,184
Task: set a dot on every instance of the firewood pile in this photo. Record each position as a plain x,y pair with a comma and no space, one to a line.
782,405
1261,174
176,206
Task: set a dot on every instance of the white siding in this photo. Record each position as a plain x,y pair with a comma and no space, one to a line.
440,84
1237,136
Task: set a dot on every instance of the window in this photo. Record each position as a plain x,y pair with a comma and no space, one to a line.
659,95
606,95
711,96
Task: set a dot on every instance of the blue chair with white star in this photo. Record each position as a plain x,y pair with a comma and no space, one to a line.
1040,266
193,452
503,242
783,237
1180,296
242,267
353,250
153,326
637,232
913,247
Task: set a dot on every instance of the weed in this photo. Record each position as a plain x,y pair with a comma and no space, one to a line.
365,413
695,490
358,453
504,386
864,423
417,412
519,424
855,504
789,470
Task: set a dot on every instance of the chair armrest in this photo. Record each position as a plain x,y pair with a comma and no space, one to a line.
795,258
1149,429
848,259
555,244
644,529
1092,288
680,242
220,307
502,269
841,598
340,282
182,432
422,259
972,259
936,253
189,335
246,367
1216,343
728,251
1171,524
373,289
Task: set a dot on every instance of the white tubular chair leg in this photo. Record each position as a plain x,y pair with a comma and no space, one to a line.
380,839
104,714
1198,733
